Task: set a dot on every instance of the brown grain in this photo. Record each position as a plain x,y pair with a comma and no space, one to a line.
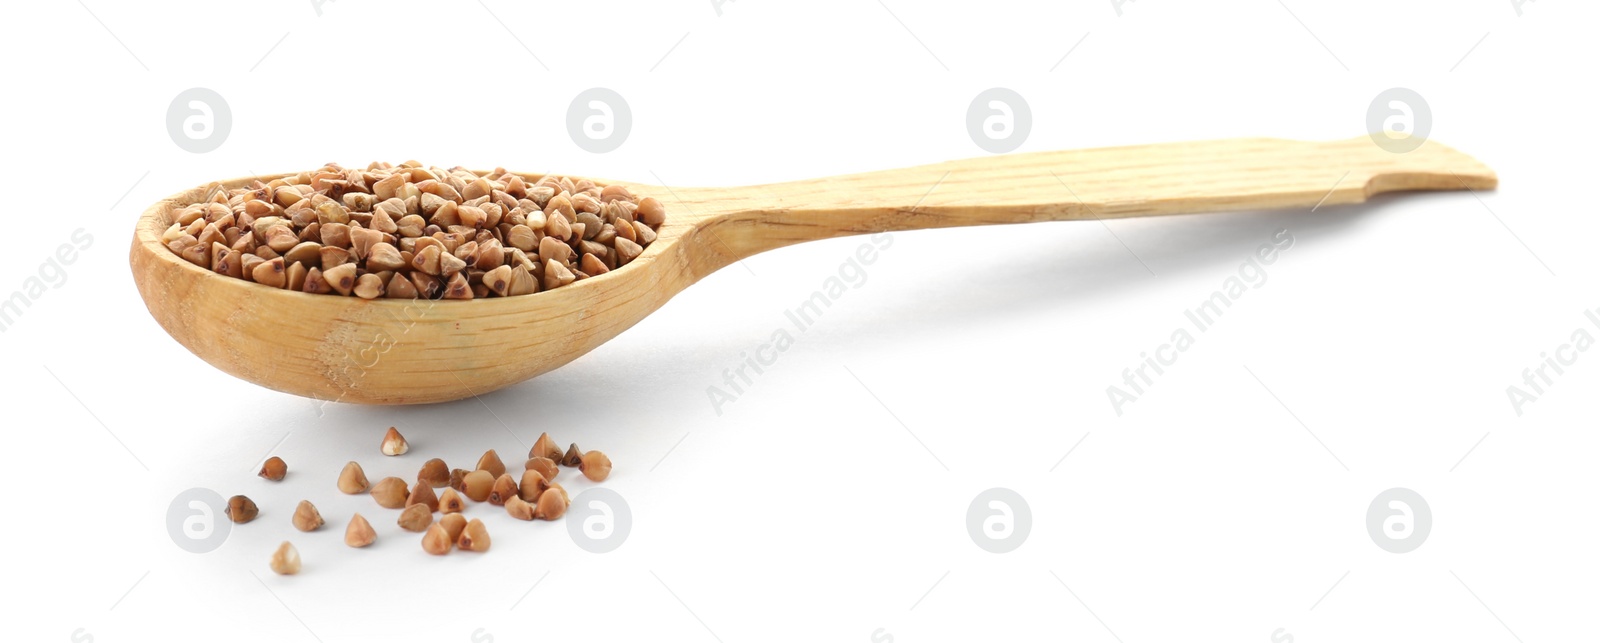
241,509
434,473
274,469
491,462
360,232
545,466
391,493
359,532
477,485
595,466
306,517
415,518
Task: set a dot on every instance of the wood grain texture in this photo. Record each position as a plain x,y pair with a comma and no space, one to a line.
389,351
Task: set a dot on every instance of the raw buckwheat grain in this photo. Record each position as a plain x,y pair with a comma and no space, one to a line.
408,231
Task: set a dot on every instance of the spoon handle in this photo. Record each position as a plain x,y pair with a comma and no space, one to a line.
1144,180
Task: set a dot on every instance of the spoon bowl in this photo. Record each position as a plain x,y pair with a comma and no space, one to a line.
405,351
394,351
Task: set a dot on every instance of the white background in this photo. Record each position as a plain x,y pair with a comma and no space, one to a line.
806,510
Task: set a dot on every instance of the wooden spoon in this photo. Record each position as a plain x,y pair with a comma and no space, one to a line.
390,351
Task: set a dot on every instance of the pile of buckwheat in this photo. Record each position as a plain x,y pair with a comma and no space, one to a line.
534,496
410,231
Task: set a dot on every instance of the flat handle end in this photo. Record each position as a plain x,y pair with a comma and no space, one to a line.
1397,166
